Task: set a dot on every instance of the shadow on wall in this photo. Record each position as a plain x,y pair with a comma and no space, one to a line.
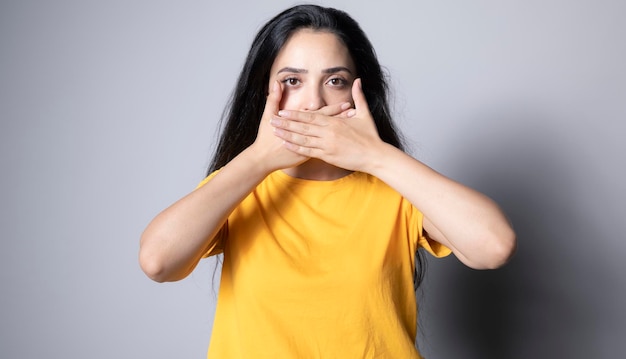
561,294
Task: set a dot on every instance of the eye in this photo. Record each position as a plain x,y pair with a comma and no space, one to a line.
337,82
291,81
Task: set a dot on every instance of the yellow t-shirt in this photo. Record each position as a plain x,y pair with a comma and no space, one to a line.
319,269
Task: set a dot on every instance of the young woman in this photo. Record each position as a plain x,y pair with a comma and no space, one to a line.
317,210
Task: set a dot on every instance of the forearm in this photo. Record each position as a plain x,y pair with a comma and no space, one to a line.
466,221
175,241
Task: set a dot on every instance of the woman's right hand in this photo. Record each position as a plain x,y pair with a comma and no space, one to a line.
273,154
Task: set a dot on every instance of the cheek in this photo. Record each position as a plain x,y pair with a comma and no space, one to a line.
292,99
335,96
289,101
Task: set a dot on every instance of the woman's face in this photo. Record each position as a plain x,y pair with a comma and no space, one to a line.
315,70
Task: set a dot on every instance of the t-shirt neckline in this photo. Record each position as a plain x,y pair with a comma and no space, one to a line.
284,177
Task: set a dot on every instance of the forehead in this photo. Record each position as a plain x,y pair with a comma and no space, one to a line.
310,49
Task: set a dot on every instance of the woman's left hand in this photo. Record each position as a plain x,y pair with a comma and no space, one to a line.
343,141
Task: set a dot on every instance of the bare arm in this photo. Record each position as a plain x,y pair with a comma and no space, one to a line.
176,239
466,221
174,242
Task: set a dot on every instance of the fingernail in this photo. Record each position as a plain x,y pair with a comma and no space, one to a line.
283,113
346,106
351,113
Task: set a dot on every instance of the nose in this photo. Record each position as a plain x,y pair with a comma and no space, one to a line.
313,99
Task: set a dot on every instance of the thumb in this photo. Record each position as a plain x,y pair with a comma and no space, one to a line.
360,103
273,99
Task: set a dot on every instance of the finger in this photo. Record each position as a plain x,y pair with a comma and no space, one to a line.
319,116
360,103
296,138
347,113
304,117
273,99
302,150
301,128
334,110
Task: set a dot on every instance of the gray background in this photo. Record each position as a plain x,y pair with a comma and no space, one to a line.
108,114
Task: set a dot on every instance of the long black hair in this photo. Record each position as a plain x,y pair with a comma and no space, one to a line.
245,108
242,115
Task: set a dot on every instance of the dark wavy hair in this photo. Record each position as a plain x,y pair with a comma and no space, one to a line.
242,115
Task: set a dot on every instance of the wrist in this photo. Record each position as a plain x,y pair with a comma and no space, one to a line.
254,160
379,159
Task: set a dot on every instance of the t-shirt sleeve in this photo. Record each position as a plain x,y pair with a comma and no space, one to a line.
207,179
216,246
431,246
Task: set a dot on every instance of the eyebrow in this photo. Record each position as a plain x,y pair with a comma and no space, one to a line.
331,70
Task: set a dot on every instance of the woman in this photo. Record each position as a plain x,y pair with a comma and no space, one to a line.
316,208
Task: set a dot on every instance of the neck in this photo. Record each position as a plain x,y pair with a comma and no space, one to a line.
317,170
